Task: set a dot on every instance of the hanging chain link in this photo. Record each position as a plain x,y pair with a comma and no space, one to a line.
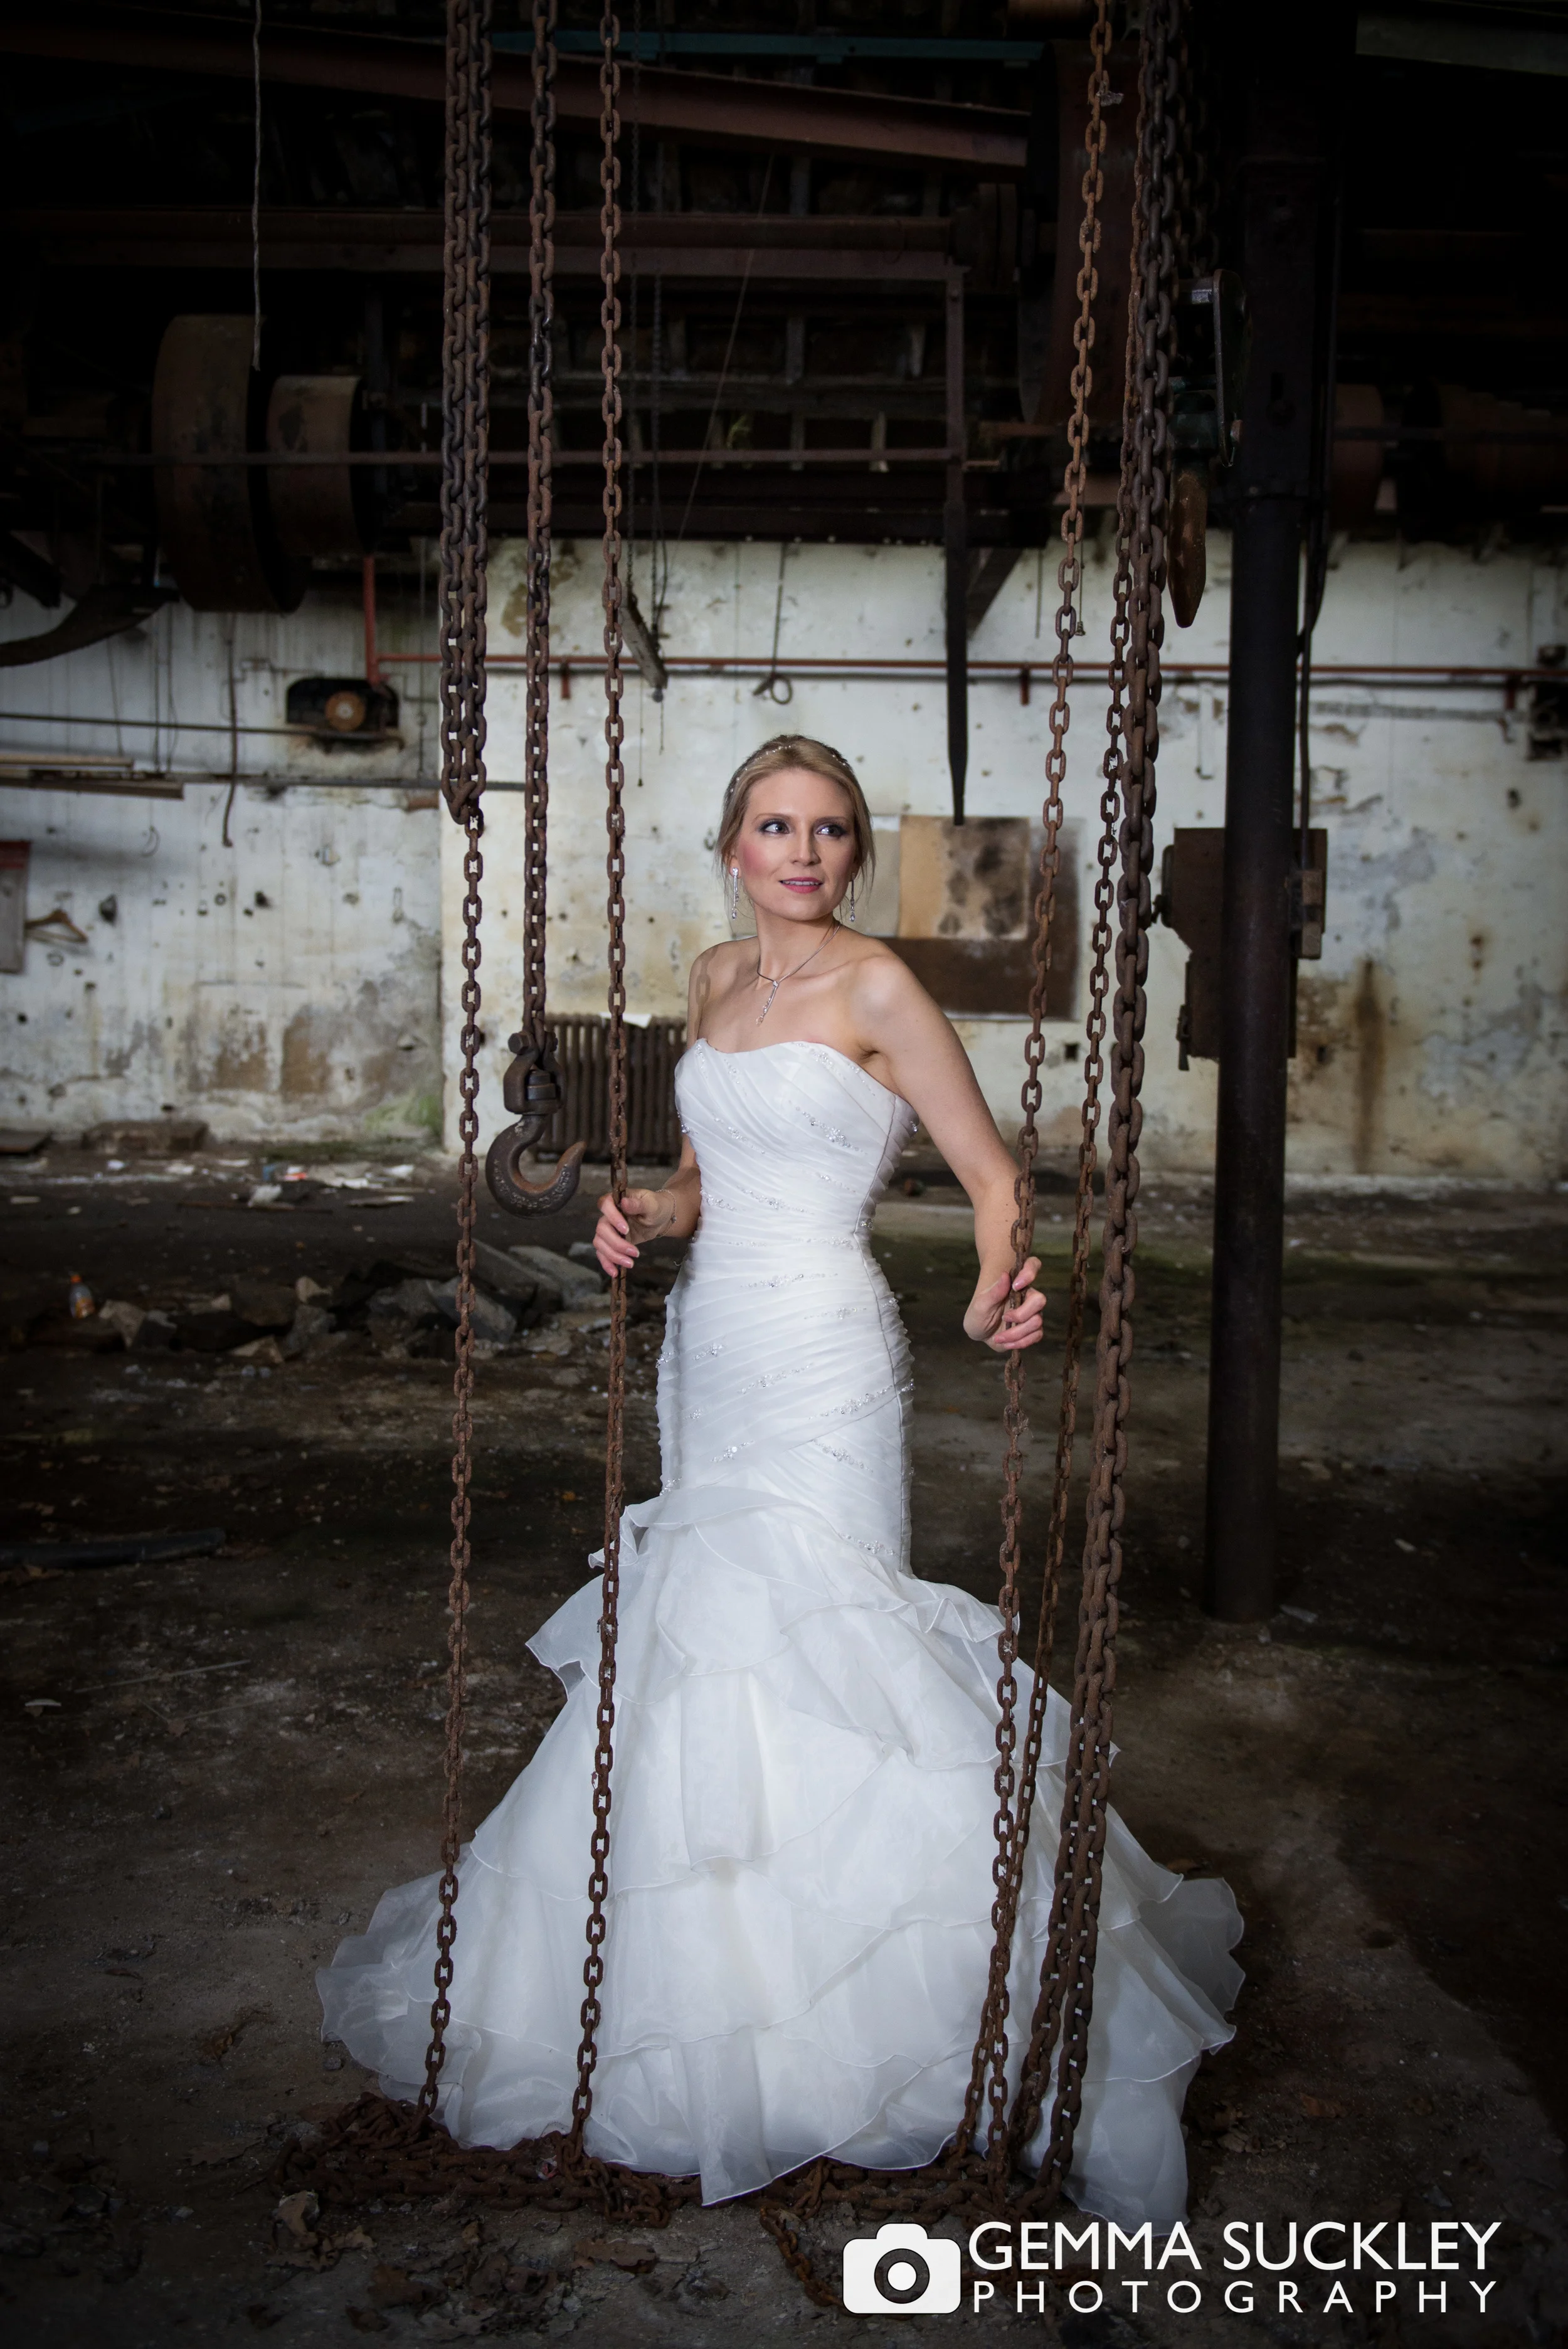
1195,194
464,449
615,868
532,1087
988,2070
376,2148
465,420
1066,1985
1094,1071
540,447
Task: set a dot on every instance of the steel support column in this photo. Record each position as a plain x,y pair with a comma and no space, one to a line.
1294,73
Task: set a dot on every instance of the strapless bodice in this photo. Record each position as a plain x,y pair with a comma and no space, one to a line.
795,1142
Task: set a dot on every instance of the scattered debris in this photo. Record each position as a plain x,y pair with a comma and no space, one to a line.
213,2050
635,2258
148,1137
119,1313
492,1317
264,1350
218,2156
311,1323
393,2287
576,1282
499,1272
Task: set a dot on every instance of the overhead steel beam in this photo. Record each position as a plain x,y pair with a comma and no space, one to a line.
715,110
1477,40
675,245
1376,315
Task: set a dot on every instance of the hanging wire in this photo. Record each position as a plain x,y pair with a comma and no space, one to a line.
729,355
778,688
256,191
233,731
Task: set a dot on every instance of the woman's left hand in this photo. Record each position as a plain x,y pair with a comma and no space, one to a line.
1010,1314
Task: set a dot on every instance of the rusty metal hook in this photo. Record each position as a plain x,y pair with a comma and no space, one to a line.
531,1090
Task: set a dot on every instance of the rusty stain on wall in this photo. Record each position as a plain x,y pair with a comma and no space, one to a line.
1447,855
967,881
306,1057
240,1062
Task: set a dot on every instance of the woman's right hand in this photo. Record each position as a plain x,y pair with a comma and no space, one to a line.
641,1216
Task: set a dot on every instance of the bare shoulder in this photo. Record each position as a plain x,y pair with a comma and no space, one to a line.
718,965
714,971
884,991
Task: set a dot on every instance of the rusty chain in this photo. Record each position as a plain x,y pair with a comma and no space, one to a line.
946,2188
1066,1984
541,453
465,420
531,1087
1090,1115
464,550
1195,198
378,2147
615,869
988,2070
1094,1071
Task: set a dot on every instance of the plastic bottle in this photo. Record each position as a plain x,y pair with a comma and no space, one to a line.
79,1299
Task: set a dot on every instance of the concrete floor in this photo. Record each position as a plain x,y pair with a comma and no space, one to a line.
226,1760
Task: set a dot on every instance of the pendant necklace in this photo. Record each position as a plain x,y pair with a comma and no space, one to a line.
775,984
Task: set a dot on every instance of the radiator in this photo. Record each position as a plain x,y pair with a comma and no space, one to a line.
653,1132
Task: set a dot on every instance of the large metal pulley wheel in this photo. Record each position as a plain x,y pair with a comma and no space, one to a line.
239,538
531,1092
215,521
316,509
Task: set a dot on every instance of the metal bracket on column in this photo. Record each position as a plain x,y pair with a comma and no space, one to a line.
955,547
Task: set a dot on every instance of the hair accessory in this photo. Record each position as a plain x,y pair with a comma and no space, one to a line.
733,894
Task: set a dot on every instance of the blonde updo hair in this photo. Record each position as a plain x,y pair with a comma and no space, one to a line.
796,751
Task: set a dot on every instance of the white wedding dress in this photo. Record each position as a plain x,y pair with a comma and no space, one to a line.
799,1915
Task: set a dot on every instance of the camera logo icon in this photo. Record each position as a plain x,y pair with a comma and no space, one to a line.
901,2272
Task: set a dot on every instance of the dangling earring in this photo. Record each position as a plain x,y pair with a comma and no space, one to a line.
849,905
734,895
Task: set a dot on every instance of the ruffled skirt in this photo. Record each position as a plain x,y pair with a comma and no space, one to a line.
800,1886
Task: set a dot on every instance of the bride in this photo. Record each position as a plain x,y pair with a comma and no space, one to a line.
800,1919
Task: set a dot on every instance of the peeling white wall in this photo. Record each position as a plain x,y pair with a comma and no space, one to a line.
1431,1032
284,985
